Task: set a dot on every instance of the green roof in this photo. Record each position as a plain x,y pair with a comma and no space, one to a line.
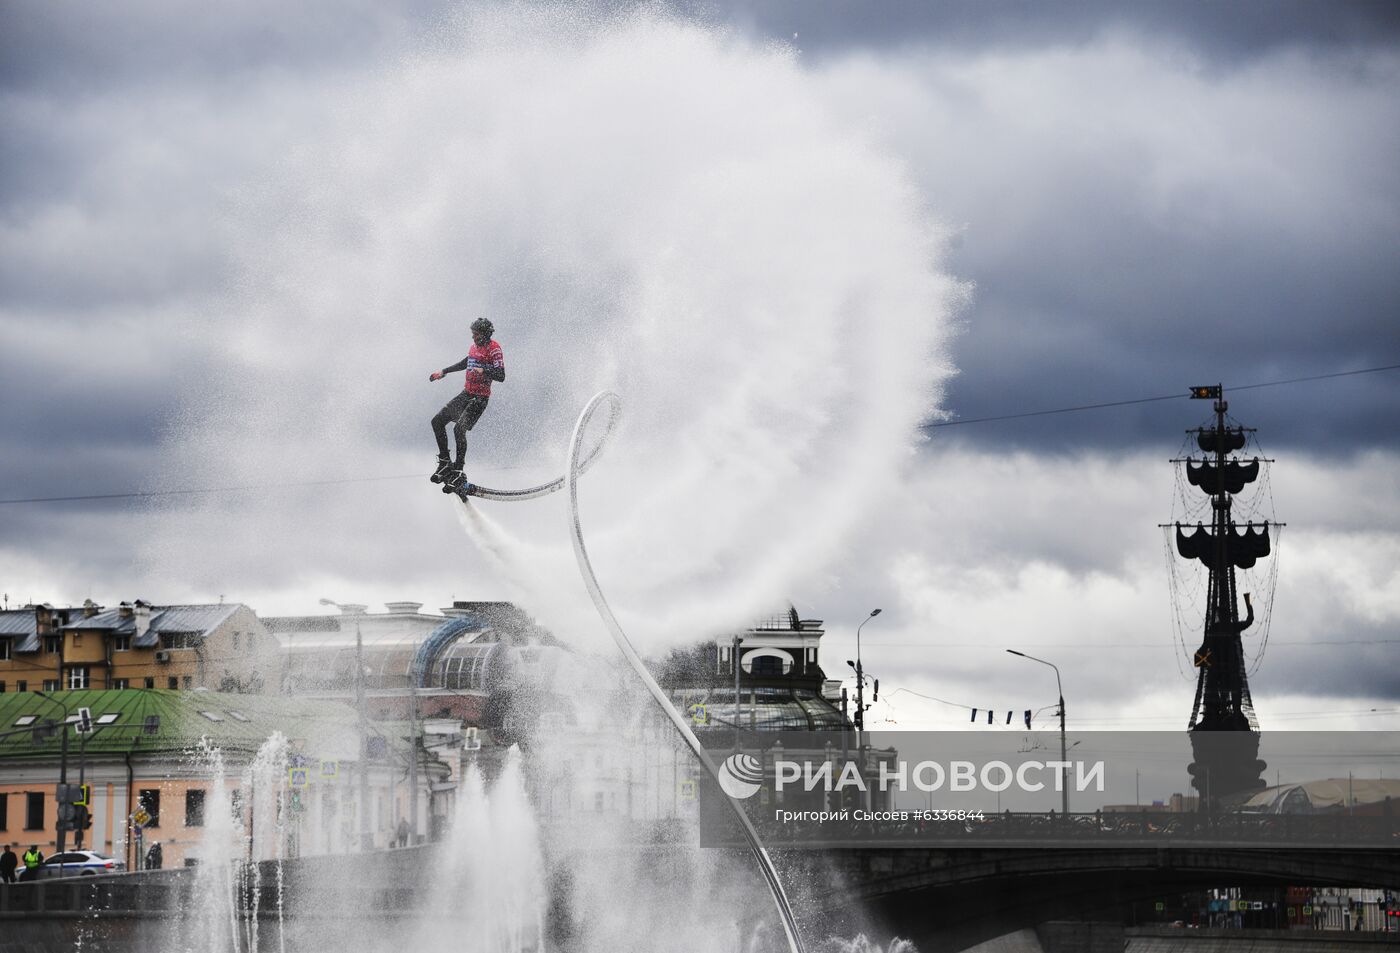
156,721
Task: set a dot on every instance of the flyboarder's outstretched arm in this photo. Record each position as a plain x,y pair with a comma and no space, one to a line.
490,373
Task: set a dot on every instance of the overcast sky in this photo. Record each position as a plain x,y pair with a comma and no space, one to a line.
235,240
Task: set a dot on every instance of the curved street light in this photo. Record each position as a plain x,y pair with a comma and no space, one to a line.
860,677
1064,752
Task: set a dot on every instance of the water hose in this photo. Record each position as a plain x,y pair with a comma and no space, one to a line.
575,469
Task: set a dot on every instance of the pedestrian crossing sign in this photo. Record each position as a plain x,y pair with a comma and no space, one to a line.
687,790
298,777
330,769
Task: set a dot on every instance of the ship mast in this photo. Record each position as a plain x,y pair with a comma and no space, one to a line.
1224,730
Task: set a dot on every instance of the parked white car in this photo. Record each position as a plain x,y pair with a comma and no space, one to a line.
75,863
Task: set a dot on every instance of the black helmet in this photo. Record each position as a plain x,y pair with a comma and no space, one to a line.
483,325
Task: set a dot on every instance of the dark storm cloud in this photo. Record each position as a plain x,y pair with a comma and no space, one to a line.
74,47
1226,30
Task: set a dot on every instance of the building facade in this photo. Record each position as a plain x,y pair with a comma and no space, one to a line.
222,647
155,750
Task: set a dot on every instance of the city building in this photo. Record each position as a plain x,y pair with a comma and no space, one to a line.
222,647
149,749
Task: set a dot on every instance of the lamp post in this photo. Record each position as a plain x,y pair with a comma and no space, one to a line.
61,839
366,837
1064,752
860,678
860,703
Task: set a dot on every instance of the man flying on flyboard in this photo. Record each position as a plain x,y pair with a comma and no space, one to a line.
484,363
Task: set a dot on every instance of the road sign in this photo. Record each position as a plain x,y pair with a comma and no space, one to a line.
699,714
687,790
298,777
1307,910
330,770
1159,906
140,817
298,760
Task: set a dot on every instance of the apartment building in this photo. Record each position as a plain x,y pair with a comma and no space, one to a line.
221,647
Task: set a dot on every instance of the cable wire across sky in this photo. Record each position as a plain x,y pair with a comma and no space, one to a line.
193,491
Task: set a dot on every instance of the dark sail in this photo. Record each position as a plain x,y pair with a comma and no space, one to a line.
1242,548
1208,440
1237,474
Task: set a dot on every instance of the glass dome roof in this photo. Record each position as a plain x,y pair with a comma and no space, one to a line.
762,709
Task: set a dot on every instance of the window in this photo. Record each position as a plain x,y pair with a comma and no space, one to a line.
53,643
2,686
172,683
150,682
5,647
78,677
194,807
121,643
149,798
4,812
179,640
34,810
50,684
21,686
236,636
189,682
252,642
120,683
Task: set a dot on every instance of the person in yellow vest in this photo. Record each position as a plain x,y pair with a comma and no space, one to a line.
33,857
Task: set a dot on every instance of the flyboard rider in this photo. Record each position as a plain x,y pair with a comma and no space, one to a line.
484,363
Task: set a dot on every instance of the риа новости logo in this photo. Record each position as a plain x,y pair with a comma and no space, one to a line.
740,775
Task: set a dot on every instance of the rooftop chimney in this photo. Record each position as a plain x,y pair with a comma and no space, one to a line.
90,608
403,608
349,608
142,613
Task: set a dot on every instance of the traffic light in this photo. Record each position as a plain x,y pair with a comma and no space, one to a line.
82,817
84,795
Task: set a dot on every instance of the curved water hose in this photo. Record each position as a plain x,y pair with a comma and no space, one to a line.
544,489
765,863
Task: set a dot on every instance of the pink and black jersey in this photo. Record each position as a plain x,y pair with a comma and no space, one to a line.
484,358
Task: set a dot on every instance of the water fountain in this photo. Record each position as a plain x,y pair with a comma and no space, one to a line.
648,205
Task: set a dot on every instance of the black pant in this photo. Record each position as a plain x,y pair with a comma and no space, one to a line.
462,411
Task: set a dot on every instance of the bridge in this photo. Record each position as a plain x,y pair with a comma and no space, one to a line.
949,899
942,898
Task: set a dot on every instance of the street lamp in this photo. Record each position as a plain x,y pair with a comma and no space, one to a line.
62,837
1064,752
366,838
860,677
